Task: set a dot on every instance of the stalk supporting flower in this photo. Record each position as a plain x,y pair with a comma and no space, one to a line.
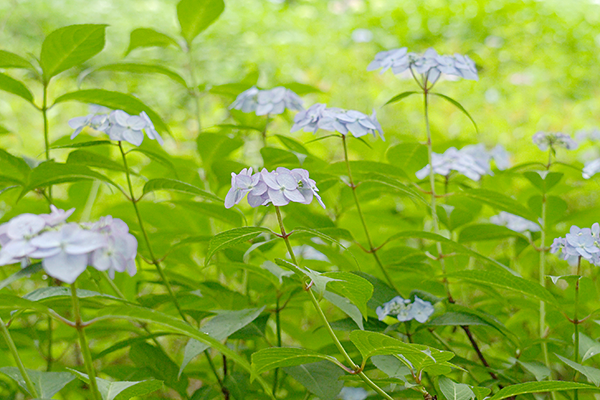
13,350
147,239
83,344
323,318
372,249
576,324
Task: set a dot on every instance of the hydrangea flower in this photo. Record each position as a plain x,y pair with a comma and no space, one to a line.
118,125
454,160
353,393
591,168
514,222
544,140
67,248
318,116
579,243
429,64
267,102
405,309
279,187
483,157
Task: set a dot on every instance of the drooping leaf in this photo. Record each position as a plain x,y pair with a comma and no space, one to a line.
115,101
15,87
177,186
588,347
278,357
399,97
154,360
147,37
500,201
196,15
455,391
593,374
46,384
90,159
136,68
482,232
539,387
457,105
121,390
346,306
536,368
22,273
70,46
158,157
13,168
351,286
391,366
321,378
232,237
12,60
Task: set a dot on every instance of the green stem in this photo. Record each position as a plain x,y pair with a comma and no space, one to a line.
542,274
372,249
195,91
83,344
264,131
279,343
436,224
576,323
146,238
13,349
328,327
46,131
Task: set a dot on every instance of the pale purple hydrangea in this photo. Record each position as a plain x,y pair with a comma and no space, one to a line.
591,168
430,64
279,187
579,243
118,125
267,102
544,140
454,160
514,222
353,393
483,157
67,248
405,309
318,116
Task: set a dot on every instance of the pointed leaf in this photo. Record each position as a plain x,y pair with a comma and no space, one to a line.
231,238
278,357
47,384
347,307
539,387
121,390
177,186
399,97
90,159
147,37
15,87
12,60
588,347
321,378
22,273
196,15
500,202
142,69
593,374
457,105
351,286
455,391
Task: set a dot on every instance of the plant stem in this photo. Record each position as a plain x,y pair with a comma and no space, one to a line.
147,240
195,91
83,344
328,327
13,350
264,131
576,324
45,115
436,224
278,327
372,249
542,275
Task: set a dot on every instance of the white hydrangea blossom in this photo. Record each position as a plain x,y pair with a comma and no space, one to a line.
514,222
267,102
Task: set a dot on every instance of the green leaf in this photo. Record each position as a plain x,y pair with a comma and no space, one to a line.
84,144
351,286
457,105
196,15
177,186
539,387
399,97
4,130
22,273
500,202
347,307
220,327
321,378
70,46
482,232
46,384
455,391
593,374
588,347
231,238
292,145
154,360
391,366
507,281
159,158
543,180
116,101
411,157
90,159
147,37
142,69
132,312
536,368
13,168
15,87
121,390
555,207
278,357
213,210
12,60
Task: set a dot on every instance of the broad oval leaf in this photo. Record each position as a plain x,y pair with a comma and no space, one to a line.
148,37
232,237
277,357
410,156
177,186
15,87
13,168
115,101
196,15
69,46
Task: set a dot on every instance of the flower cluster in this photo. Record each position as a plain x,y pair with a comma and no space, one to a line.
405,310
318,116
353,393
278,187
67,248
514,222
267,102
430,64
579,243
118,125
591,168
544,140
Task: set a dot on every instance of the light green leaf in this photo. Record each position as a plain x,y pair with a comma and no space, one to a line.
588,347
46,384
142,69
13,168
196,15
346,306
91,143
147,37
220,327
482,232
499,201
15,87
12,60
593,374
70,46
411,157
399,97
90,159
278,357
539,387
116,101
213,210
177,186
455,391
158,157
457,105
391,366
543,180
121,390
321,378
231,238
351,286
508,282
22,273
536,368
159,365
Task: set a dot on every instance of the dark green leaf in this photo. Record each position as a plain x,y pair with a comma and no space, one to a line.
121,390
